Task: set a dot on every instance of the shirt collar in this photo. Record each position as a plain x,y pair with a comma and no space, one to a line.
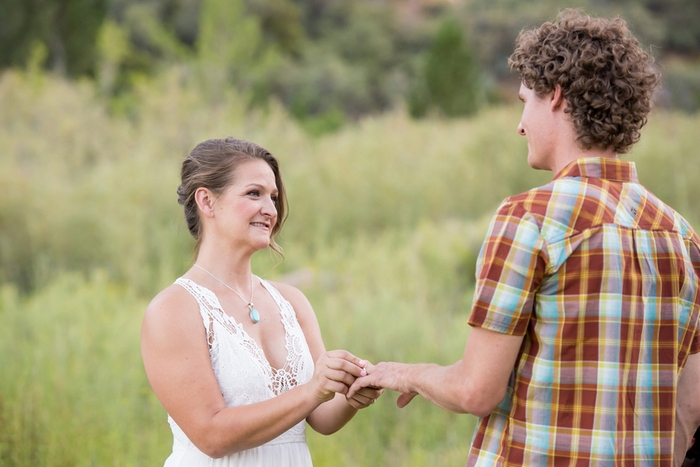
607,168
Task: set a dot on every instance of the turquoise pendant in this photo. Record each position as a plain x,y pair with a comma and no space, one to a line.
254,315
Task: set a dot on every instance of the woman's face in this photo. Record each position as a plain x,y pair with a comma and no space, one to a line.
245,213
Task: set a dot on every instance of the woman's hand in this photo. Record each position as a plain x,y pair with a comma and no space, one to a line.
334,372
364,397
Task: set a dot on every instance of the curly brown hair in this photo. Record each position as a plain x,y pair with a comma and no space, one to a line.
606,77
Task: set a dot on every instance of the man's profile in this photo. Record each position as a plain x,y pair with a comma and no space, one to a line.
585,340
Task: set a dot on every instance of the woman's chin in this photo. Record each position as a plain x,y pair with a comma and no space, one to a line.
261,244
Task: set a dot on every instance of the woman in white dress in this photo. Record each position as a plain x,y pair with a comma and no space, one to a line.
238,362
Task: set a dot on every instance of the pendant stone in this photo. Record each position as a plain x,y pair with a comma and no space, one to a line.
254,315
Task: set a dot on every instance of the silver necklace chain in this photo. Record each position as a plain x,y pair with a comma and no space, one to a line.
253,313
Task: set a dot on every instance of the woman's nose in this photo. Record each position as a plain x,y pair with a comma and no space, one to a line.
269,207
521,130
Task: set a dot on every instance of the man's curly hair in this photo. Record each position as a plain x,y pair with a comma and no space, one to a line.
606,77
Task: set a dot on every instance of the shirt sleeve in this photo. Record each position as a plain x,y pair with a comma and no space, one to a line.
694,248
509,270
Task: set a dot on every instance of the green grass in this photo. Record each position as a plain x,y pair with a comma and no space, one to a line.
74,391
386,220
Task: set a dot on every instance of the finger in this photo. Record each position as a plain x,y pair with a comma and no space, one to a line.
362,399
405,398
359,384
370,393
353,389
328,389
361,404
344,355
336,387
347,356
338,376
357,405
346,366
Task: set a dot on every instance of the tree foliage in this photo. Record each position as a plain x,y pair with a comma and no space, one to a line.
326,61
450,75
68,28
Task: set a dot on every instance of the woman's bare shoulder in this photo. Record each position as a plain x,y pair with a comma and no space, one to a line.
302,306
292,294
174,307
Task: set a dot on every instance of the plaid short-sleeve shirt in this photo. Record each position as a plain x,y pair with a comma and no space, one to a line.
602,279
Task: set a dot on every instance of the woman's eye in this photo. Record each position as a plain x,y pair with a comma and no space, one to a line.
254,193
273,198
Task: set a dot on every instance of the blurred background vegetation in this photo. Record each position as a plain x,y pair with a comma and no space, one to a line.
394,122
326,61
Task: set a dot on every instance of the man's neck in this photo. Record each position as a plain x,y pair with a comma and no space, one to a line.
564,158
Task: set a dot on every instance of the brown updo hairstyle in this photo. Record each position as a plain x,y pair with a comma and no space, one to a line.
605,76
212,165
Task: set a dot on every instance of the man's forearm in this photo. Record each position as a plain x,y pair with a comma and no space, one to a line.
682,439
687,408
449,387
444,386
476,384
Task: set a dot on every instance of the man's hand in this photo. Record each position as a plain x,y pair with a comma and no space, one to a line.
476,384
388,375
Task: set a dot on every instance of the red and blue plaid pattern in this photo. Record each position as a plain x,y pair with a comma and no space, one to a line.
602,278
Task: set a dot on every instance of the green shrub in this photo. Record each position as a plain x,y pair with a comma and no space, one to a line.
450,78
73,390
387,217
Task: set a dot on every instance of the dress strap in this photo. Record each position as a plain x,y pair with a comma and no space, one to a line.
286,309
276,295
209,307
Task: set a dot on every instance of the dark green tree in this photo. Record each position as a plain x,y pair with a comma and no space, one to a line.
280,21
450,78
681,20
68,28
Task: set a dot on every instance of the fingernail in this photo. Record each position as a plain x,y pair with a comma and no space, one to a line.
363,373
362,363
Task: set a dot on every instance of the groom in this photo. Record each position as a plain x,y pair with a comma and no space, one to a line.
585,339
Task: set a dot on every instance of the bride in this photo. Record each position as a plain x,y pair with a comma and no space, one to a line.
238,362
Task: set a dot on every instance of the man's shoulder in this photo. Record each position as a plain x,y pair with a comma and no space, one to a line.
557,187
668,217
686,229
534,201
691,236
554,207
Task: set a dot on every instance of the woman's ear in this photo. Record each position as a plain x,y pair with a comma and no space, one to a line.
205,201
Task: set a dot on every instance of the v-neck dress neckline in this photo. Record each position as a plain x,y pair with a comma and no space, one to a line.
253,345
282,379
245,377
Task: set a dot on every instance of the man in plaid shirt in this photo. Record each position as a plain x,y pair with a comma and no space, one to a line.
585,340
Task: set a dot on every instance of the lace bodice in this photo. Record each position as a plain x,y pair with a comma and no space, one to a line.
244,374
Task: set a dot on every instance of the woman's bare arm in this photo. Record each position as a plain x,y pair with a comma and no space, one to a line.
177,362
333,415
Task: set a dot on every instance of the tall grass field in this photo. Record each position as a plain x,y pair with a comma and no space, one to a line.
386,221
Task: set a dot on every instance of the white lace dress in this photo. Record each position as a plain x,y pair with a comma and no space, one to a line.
246,377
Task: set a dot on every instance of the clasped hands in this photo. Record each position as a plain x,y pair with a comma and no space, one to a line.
385,375
360,381
337,371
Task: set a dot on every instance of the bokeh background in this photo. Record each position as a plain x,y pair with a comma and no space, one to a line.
394,122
